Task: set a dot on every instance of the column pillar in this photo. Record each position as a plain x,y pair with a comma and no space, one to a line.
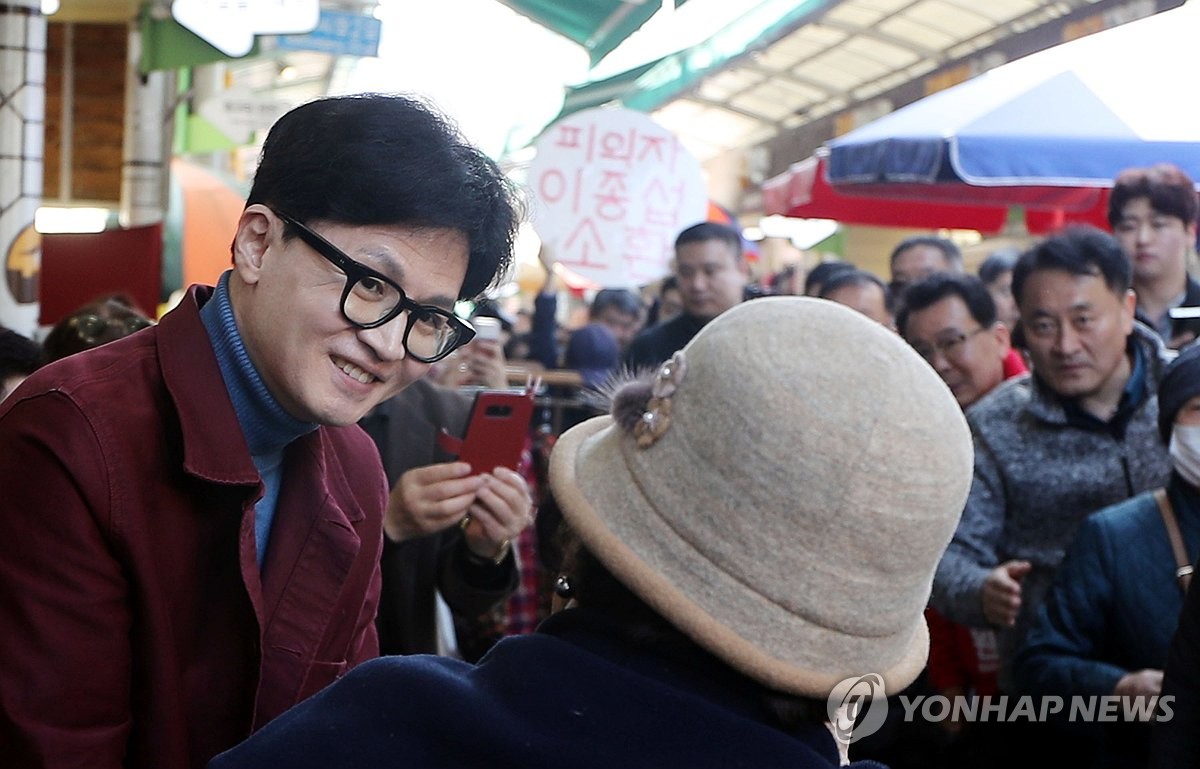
145,168
22,143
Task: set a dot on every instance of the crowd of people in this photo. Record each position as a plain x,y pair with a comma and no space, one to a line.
971,485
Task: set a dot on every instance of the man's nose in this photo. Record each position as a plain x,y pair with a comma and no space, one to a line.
387,340
1067,340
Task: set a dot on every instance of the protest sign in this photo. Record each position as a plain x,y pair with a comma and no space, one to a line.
612,189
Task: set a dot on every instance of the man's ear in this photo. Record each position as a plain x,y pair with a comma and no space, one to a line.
252,240
1129,311
1002,335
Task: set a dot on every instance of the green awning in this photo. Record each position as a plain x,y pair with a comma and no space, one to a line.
652,85
598,25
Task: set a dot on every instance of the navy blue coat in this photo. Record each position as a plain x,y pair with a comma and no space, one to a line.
1113,608
572,695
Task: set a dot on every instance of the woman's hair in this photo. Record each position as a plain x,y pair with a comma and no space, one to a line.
102,320
594,587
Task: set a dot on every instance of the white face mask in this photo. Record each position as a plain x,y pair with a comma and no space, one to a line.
1185,452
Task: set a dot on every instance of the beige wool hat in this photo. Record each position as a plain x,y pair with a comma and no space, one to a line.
785,496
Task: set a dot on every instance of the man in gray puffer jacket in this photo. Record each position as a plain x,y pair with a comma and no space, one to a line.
1079,434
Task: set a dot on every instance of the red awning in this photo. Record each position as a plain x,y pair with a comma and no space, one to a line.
803,191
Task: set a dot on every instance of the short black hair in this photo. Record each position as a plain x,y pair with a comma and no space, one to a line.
19,355
704,231
621,299
1079,250
392,160
856,277
822,272
948,248
998,263
934,288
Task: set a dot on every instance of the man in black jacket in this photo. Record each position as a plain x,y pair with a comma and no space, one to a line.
712,274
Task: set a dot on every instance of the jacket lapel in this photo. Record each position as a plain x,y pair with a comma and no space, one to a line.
312,548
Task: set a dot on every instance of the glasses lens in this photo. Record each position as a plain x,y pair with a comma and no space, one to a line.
432,334
370,300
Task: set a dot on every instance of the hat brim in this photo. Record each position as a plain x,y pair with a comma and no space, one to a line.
601,500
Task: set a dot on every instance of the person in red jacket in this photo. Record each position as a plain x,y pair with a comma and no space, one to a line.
952,321
190,518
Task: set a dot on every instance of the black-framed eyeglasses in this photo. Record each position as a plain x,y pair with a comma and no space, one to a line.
950,346
371,299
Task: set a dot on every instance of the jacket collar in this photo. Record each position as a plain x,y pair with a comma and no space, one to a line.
214,447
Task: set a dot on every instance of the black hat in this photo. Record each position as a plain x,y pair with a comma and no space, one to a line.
1179,384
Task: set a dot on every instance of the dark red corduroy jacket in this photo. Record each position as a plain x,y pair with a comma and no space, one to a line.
135,628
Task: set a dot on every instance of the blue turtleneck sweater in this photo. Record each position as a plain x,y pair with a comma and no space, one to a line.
267,427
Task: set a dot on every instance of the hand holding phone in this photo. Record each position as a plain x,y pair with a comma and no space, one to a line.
496,430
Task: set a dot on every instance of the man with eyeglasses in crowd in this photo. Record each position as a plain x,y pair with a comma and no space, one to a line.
1079,434
191,521
952,321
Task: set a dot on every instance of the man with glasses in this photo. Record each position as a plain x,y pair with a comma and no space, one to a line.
712,274
1078,435
951,321
191,521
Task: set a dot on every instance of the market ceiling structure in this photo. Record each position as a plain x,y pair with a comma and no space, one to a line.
788,63
782,65
600,26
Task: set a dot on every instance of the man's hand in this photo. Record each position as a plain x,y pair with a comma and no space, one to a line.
502,509
1140,683
429,499
550,265
487,364
479,363
1145,683
1002,592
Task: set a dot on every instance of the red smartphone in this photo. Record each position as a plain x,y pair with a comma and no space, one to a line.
496,430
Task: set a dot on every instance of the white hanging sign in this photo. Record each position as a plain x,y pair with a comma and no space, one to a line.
230,25
612,189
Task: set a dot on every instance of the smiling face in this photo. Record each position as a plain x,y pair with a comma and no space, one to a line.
286,300
1076,330
967,356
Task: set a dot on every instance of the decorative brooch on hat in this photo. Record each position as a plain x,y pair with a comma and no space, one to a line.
643,407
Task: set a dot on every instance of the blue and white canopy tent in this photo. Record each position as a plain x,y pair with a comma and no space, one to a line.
1051,129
